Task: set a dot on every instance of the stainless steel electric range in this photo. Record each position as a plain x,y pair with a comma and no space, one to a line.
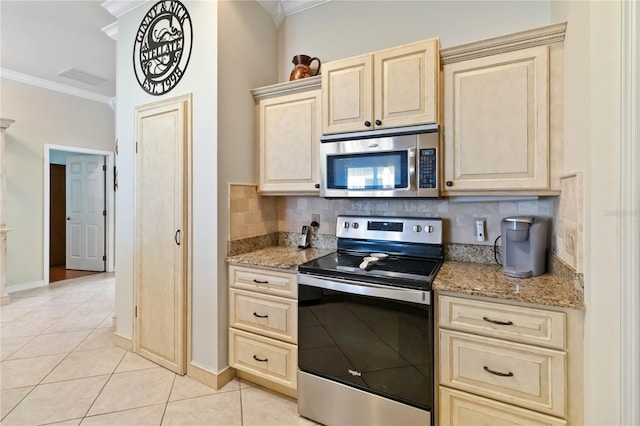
365,324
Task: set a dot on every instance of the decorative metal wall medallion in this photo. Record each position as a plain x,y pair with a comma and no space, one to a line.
162,47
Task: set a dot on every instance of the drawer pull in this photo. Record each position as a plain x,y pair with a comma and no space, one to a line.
257,315
496,373
260,282
264,360
497,322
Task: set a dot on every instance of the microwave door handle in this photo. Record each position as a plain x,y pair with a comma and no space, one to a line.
413,160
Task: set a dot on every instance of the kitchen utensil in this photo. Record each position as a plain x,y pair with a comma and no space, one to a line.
367,260
380,256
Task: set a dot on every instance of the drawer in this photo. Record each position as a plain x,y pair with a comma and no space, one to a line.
523,375
264,357
264,281
270,316
526,325
460,408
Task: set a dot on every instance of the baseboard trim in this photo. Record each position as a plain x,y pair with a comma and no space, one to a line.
123,342
292,393
209,378
25,286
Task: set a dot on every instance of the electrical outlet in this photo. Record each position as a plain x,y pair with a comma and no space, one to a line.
481,229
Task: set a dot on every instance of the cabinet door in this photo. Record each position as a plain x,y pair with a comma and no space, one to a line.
460,408
347,95
289,137
496,133
406,85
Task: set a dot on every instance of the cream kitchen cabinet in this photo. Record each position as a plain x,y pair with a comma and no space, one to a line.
507,364
502,114
388,88
263,327
289,116
496,128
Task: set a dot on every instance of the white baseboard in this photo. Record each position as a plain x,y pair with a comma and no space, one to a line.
25,286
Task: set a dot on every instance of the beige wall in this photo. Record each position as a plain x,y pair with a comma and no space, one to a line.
339,29
592,144
41,117
246,60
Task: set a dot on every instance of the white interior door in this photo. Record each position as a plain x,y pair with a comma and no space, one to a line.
161,232
85,212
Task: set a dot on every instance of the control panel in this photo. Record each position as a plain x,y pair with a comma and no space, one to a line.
428,175
403,229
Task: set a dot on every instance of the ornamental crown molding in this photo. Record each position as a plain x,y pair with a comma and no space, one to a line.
280,9
5,123
491,46
118,8
287,88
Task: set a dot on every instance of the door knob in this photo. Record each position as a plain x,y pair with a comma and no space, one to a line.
68,217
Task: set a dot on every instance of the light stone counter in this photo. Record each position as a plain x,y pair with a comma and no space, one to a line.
278,257
489,281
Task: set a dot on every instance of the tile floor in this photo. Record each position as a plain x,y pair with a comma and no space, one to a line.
60,367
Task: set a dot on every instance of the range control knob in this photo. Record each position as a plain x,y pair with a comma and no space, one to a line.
417,228
428,229
355,225
346,225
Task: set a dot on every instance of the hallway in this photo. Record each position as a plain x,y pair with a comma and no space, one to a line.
59,366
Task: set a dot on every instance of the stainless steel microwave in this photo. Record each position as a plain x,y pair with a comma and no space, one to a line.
401,162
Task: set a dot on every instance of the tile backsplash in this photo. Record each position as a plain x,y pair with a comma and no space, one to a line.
459,225
251,215
570,221
255,216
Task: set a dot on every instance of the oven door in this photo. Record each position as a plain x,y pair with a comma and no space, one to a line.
372,338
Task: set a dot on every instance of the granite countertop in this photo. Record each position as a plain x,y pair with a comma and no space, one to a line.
279,257
489,281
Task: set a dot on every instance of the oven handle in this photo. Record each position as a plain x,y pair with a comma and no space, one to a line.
366,289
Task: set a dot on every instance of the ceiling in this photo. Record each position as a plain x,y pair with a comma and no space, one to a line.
39,39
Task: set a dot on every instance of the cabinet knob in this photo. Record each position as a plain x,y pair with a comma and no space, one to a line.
367,123
449,183
378,123
317,186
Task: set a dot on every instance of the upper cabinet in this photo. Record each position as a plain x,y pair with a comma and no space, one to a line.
288,137
498,132
389,88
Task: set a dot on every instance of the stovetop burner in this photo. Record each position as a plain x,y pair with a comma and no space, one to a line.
408,272
414,246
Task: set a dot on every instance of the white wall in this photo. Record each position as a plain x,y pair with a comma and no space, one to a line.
200,79
246,60
41,117
592,143
339,29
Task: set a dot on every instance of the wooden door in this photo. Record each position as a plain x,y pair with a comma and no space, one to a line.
347,88
289,142
161,237
496,134
85,204
406,85
57,214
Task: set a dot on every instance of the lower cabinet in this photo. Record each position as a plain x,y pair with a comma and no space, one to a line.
263,332
461,408
507,364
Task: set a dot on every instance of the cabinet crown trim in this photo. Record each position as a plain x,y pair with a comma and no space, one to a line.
535,37
287,88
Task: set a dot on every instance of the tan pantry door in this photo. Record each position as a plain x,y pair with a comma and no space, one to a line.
161,238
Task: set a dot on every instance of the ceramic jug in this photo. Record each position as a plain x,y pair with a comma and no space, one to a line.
302,67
